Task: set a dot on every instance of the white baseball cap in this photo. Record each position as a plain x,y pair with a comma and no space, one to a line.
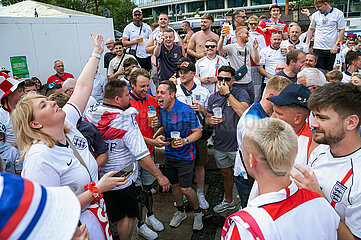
31,211
137,9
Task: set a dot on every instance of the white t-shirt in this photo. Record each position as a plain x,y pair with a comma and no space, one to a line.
157,34
327,27
58,166
260,38
300,45
236,59
114,63
206,67
6,120
131,32
270,57
339,60
290,213
122,136
346,77
340,181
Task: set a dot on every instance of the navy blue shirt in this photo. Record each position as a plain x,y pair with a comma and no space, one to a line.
283,74
226,132
181,118
166,62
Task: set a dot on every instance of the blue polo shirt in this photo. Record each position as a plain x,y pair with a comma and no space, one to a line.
166,62
181,118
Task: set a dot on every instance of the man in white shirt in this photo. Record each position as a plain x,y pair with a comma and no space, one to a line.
271,56
336,163
207,67
195,96
135,36
116,69
239,18
353,60
115,120
269,149
294,40
163,22
240,54
328,23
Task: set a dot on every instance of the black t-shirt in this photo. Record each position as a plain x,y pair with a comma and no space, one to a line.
292,79
108,57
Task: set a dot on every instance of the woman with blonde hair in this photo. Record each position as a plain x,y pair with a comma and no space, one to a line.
56,154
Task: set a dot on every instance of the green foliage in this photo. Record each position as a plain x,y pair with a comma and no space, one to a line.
153,19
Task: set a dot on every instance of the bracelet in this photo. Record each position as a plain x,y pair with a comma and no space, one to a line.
96,55
227,95
97,196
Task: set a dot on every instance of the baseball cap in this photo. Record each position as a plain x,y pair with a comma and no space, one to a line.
273,6
31,211
137,9
183,59
8,86
292,94
187,66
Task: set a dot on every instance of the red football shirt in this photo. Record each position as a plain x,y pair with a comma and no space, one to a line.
149,103
54,78
268,33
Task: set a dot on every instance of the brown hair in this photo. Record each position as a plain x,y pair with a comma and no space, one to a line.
293,55
134,76
334,76
208,17
60,98
114,88
315,2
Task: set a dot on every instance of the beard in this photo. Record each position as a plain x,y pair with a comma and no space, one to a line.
336,136
137,22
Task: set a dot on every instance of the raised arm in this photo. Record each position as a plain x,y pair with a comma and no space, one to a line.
84,84
150,44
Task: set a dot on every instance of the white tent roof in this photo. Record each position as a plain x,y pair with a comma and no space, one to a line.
27,9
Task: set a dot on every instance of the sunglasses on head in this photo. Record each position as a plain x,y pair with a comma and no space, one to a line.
226,79
210,46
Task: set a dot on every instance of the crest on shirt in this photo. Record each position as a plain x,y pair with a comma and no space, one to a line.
175,55
218,65
174,119
134,122
151,108
80,143
337,192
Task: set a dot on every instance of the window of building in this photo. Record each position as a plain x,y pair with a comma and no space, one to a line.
215,4
192,6
147,12
162,9
260,2
237,3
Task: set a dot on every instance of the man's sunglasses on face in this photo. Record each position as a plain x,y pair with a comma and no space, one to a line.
253,24
137,15
226,79
210,46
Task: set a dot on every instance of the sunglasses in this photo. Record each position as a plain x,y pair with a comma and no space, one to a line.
210,46
51,86
226,79
137,15
244,17
253,24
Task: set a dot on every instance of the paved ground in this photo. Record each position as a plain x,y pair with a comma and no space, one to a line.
164,209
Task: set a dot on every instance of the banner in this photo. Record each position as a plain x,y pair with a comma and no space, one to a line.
19,67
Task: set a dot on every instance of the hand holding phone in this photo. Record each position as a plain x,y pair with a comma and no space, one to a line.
126,172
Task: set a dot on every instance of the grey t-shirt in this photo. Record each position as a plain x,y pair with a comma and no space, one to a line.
226,132
236,59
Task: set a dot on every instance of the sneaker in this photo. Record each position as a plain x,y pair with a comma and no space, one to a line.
185,200
153,191
197,221
202,201
178,217
155,223
147,233
223,206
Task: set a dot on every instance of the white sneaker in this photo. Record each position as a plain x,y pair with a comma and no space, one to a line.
223,206
155,223
147,233
202,201
178,217
198,221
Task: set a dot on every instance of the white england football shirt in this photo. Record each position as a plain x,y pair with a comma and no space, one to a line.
132,32
269,58
299,45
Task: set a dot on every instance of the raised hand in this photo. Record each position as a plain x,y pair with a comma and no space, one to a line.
98,43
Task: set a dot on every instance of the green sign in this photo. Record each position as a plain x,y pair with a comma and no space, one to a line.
19,67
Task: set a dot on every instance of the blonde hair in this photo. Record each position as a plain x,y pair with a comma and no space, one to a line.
253,17
273,141
239,28
334,76
276,84
26,136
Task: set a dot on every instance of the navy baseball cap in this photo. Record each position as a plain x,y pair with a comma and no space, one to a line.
292,94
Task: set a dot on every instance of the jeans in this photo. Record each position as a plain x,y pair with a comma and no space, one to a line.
242,189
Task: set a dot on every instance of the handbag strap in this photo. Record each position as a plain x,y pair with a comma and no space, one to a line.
77,155
245,55
121,60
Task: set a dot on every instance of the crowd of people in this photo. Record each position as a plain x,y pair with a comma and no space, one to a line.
280,108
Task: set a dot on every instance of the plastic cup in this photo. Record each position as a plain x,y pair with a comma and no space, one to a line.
151,116
141,40
226,28
174,135
217,111
283,51
189,100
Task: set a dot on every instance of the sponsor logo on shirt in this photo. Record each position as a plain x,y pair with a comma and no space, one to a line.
79,142
337,192
68,164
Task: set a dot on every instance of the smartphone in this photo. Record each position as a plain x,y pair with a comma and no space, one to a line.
126,172
168,140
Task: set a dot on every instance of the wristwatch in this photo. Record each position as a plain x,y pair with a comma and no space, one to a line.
227,95
186,140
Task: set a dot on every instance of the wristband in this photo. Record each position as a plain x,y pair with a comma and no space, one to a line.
96,55
227,95
97,196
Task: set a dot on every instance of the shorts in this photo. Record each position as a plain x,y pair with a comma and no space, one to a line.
202,152
121,203
144,177
179,171
325,59
224,159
